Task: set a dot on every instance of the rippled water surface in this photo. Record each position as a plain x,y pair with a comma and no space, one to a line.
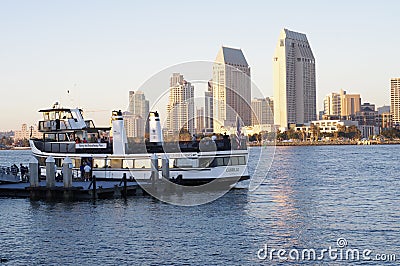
311,196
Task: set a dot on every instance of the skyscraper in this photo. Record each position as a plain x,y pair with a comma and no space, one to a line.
138,105
332,105
208,109
180,106
200,120
262,111
294,80
231,88
395,100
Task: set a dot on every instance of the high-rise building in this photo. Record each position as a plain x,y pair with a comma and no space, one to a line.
180,108
208,109
294,80
231,89
341,105
200,120
395,100
332,104
350,104
138,105
262,113
134,125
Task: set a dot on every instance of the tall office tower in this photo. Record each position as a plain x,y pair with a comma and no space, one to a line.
350,104
208,109
138,105
200,120
180,108
332,105
261,111
294,80
231,89
134,125
395,100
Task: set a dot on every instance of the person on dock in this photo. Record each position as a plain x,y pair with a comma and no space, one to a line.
87,170
14,170
24,171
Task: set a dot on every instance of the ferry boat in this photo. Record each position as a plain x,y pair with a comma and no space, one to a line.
191,163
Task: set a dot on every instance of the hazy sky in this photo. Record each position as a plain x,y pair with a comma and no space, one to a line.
99,50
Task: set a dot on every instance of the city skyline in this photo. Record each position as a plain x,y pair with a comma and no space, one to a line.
96,53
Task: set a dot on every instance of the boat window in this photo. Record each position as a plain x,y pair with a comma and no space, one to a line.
226,160
46,116
116,163
50,137
127,164
185,163
145,163
242,160
74,116
219,161
62,137
234,161
205,162
99,163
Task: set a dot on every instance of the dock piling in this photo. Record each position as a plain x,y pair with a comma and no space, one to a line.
67,172
50,172
94,191
34,173
154,168
165,167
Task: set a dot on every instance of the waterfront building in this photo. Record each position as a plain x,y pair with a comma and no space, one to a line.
341,105
385,121
325,126
332,104
231,89
262,113
395,100
321,115
208,109
294,80
134,125
138,105
27,133
367,107
200,120
180,108
383,109
350,104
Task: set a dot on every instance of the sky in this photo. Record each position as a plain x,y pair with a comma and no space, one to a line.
99,50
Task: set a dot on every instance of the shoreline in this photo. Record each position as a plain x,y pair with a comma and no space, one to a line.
323,143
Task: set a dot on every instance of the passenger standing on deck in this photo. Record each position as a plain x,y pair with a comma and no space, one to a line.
87,172
14,170
82,170
23,171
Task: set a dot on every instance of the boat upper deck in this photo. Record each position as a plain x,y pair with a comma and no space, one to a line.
203,145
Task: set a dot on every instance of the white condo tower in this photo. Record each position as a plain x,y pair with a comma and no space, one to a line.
294,80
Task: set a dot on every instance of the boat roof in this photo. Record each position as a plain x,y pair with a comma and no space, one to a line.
57,110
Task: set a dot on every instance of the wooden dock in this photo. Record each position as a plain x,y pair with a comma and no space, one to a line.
79,191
